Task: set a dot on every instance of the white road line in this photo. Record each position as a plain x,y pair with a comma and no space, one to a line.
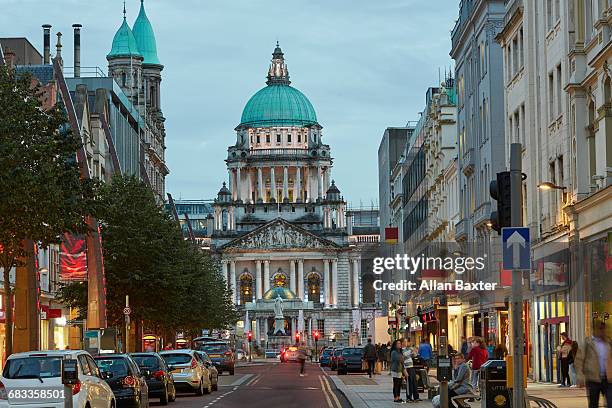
329,403
333,394
242,380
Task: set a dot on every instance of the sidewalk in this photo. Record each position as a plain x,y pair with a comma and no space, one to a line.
363,392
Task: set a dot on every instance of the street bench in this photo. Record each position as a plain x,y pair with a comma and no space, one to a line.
540,402
462,400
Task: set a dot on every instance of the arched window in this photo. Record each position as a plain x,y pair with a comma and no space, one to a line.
279,280
314,287
246,288
123,79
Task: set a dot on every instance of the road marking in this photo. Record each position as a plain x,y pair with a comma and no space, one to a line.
329,403
254,380
240,381
333,394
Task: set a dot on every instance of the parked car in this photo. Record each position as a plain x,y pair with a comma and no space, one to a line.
221,354
212,370
333,359
324,358
272,353
350,360
188,372
159,380
125,379
289,354
41,370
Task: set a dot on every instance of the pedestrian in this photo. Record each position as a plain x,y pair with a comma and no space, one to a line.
460,379
369,355
572,366
412,392
464,346
500,352
594,366
426,353
388,356
382,356
302,355
563,351
478,355
396,369
491,349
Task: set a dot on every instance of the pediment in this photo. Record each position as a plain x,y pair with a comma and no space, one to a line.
279,234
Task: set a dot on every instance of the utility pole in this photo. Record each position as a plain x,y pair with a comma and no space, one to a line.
516,214
127,323
444,371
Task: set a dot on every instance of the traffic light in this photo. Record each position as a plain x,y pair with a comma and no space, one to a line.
500,191
297,337
250,336
316,336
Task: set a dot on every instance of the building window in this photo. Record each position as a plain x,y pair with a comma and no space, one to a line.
267,138
123,79
299,138
551,97
364,330
258,139
246,288
559,91
279,280
321,326
278,138
314,287
288,137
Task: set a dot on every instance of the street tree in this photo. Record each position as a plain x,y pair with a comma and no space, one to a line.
41,193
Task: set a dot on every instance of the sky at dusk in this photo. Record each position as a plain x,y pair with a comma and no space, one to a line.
365,65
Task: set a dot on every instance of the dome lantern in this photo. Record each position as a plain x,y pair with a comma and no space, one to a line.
124,43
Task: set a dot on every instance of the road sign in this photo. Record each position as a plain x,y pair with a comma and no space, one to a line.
127,311
516,248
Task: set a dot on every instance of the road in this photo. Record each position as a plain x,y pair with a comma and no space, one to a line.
268,384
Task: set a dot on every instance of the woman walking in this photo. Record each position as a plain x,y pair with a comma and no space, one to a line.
412,392
397,369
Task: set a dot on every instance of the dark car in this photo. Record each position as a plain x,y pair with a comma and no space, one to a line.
159,380
333,359
221,355
350,360
325,357
125,379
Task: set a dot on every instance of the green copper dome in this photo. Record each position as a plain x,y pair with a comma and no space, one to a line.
283,293
124,43
145,37
278,105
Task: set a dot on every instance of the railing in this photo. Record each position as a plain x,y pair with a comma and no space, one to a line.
461,229
482,213
278,152
87,72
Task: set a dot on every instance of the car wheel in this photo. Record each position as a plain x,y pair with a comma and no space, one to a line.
200,390
163,400
215,386
173,395
208,388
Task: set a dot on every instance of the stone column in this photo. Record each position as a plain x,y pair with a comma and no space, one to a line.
292,277
297,185
259,279
249,185
335,282
307,182
266,277
266,330
272,183
238,184
355,289
326,278
319,183
285,183
231,186
260,184
300,279
233,280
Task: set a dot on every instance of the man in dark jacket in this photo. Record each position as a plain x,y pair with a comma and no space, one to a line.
369,354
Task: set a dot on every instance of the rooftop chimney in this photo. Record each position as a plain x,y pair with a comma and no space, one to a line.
47,43
58,48
9,57
77,50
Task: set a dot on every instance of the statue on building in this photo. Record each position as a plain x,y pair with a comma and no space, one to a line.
279,319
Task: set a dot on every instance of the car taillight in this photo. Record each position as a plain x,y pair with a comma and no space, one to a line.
129,381
159,374
228,353
76,387
3,394
194,363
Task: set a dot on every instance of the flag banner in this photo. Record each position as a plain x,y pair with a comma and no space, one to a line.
73,258
391,235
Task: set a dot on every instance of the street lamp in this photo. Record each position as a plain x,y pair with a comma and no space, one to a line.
547,185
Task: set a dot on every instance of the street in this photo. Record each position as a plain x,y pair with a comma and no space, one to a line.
268,384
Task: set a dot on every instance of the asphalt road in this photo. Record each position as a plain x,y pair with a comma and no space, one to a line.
268,385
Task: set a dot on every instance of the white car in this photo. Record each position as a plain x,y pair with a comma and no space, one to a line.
188,372
34,380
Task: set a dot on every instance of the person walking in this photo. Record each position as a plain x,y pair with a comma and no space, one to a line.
396,369
412,392
594,366
426,353
464,346
563,351
382,356
369,355
572,367
478,355
302,355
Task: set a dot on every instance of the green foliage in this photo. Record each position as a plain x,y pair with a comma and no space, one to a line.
74,296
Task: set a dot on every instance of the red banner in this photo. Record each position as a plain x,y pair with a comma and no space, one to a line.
73,258
391,235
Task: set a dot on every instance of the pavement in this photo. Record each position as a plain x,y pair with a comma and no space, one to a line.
265,383
363,392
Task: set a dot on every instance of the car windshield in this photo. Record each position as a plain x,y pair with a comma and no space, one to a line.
145,361
177,358
214,348
352,352
117,365
326,352
337,352
33,367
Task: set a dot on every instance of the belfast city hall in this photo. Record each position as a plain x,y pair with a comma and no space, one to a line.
280,225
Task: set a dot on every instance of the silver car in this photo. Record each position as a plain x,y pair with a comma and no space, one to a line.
188,371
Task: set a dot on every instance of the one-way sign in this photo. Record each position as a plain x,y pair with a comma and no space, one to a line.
515,248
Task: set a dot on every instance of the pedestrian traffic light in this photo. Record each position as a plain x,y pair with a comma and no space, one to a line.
250,336
316,336
297,337
500,191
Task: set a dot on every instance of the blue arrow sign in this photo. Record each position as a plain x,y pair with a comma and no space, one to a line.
516,248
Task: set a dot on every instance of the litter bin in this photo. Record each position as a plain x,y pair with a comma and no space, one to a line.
421,373
493,391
